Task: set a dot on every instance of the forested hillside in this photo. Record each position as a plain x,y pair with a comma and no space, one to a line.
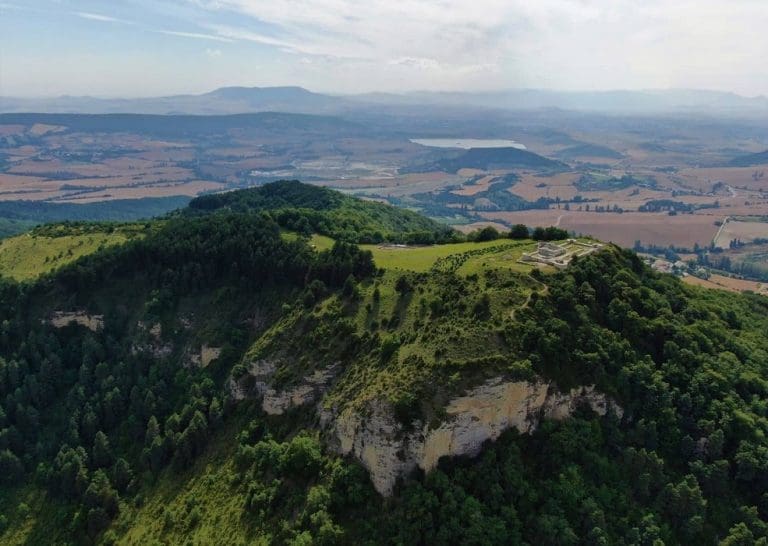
313,209
184,385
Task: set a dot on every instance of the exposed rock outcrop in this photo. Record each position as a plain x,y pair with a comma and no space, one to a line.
60,319
257,383
389,452
206,355
154,344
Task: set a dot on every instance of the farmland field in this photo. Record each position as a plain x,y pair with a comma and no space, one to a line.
683,230
728,283
586,170
741,231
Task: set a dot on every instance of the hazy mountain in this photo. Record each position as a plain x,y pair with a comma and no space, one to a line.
226,100
652,101
153,124
231,100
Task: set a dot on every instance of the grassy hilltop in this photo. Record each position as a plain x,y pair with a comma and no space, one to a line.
128,433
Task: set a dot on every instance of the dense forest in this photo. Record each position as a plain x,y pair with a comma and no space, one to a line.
311,209
117,434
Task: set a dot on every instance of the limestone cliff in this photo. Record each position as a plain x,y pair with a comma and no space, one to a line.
257,383
60,319
390,451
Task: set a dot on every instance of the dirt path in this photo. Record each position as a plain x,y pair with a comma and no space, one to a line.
543,292
720,231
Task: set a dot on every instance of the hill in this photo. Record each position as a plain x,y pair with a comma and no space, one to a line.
587,151
498,158
314,209
218,380
760,158
178,125
234,100
222,101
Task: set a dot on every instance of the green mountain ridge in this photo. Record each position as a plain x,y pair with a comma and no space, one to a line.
498,158
189,386
313,209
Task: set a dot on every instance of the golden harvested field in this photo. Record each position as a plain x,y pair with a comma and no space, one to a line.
171,154
544,217
743,231
739,177
11,129
720,282
191,189
397,186
481,185
682,230
16,187
559,185
474,226
39,129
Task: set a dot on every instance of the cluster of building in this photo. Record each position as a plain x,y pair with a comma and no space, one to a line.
559,254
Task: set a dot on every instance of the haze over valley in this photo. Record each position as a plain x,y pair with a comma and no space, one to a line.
618,175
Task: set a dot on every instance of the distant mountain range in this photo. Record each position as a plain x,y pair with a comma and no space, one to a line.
226,100
186,124
236,100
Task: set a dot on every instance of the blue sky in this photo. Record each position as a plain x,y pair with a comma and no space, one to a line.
155,47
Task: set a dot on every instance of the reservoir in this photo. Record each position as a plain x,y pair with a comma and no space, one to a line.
467,143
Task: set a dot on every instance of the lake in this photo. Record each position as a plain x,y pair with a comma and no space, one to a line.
467,143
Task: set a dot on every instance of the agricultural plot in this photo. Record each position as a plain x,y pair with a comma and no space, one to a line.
745,232
721,282
682,230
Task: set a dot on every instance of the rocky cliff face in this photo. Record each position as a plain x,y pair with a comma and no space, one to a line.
61,319
277,401
389,451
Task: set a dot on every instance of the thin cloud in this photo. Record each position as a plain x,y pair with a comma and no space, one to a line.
576,44
101,18
196,35
316,48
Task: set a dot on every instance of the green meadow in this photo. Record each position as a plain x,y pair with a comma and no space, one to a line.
27,256
499,253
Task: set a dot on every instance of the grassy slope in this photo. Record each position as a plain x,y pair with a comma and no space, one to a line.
30,255
203,504
209,488
448,343
318,242
424,257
